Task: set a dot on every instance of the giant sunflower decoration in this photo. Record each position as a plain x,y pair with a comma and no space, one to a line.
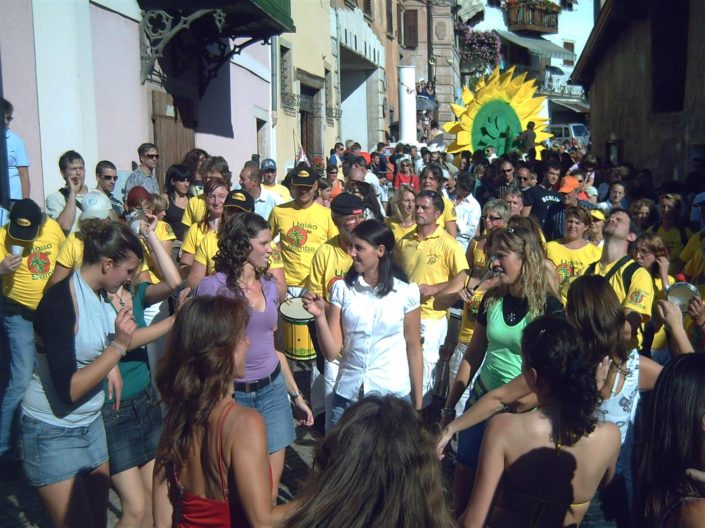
496,114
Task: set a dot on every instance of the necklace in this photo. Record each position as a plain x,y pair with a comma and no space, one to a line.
247,288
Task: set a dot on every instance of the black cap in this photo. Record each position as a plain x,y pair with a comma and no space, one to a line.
241,200
25,220
304,175
347,204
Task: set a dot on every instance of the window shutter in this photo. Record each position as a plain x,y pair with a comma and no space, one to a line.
411,30
390,18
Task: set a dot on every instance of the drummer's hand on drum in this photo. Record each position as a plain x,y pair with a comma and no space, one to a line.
670,314
696,311
314,304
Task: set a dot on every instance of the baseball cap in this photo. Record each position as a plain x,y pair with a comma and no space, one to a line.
304,176
25,220
596,214
569,184
268,164
241,200
347,204
95,205
136,195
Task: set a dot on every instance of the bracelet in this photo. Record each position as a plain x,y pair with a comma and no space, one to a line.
701,324
448,412
118,348
294,397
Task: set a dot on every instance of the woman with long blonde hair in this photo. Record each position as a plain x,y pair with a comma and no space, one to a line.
519,297
402,206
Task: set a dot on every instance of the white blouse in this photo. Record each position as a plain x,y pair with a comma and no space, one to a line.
374,348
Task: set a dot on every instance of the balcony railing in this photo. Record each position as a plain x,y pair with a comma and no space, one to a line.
551,84
524,17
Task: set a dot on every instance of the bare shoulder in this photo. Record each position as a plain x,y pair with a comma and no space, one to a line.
692,514
243,426
607,435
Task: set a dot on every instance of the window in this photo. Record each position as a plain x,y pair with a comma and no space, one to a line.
285,69
569,46
567,4
367,7
669,55
390,18
411,28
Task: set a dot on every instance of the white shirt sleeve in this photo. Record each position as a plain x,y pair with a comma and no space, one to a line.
413,298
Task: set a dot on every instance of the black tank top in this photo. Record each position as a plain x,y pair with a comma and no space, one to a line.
173,217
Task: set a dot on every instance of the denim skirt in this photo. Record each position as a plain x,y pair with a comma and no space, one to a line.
272,402
53,453
133,431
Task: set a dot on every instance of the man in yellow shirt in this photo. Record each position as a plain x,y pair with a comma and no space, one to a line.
631,282
330,263
302,226
432,179
269,179
430,257
28,249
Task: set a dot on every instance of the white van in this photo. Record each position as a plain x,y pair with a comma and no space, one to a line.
570,131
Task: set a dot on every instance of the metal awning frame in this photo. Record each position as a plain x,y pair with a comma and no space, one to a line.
537,46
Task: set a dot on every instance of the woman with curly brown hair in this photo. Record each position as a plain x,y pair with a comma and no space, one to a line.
376,468
212,467
241,271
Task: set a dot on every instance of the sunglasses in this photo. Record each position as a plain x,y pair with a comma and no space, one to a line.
524,178
152,156
110,178
507,170
490,218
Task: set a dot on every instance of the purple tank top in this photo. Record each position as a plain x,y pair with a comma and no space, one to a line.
261,358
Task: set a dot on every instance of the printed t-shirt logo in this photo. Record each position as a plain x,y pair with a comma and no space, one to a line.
565,270
297,236
432,259
38,263
636,297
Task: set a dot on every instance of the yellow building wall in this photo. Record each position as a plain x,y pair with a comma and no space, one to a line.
311,53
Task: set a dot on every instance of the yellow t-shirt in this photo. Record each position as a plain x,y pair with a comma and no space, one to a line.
195,210
695,269
193,237
301,232
693,246
672,240
330,263
660,338
398,230
640,297
279,189
163,232
467,322
27,283
449,214
208,247
570,262
433,260
71,253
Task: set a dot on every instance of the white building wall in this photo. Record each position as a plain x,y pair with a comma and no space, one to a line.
353,90
65,89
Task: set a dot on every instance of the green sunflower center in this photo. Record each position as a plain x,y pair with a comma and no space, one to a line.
495,125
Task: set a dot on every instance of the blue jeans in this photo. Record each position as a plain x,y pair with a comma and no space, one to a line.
20,358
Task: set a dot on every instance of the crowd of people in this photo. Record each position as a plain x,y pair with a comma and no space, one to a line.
152,333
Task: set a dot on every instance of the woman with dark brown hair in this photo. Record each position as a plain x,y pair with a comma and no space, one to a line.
375,469
212,467
241,265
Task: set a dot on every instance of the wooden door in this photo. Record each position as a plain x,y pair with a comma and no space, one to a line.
174,122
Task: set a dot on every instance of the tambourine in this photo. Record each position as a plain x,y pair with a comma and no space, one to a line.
681,293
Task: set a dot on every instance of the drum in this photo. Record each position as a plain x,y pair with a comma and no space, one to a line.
680,294
297,339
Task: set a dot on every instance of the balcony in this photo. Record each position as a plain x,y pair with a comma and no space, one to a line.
536,17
